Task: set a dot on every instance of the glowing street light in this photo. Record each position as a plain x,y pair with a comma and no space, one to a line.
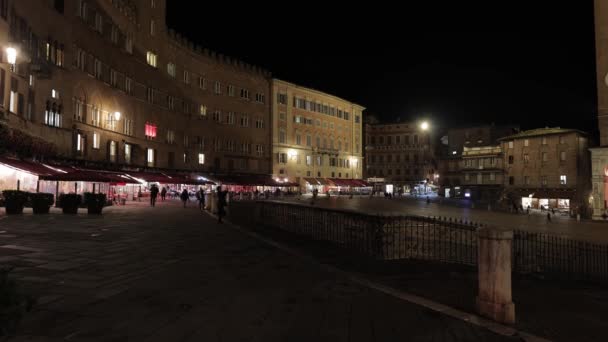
11,57
424,126
117,116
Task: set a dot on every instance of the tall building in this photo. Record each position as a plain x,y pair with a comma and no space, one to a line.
547,167
314,135
107,83
398,155
599,155
477,174
470,164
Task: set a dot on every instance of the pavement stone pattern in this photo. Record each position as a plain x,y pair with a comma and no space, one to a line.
172,274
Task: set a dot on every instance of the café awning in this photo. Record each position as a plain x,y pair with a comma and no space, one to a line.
31,167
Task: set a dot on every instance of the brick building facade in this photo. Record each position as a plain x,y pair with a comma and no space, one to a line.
399,153
547,167
108,84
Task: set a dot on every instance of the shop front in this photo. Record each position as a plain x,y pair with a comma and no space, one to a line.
563,200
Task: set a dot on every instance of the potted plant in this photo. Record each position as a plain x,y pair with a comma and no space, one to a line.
94,202
41,202
14,201
70,203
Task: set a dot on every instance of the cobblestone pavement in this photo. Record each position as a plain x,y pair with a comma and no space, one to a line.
584,230
173,274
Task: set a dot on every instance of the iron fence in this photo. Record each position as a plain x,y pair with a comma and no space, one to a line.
424,238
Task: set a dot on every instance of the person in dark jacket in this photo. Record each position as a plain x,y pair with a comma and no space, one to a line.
200,195
221,204
163,194
185,197
153,194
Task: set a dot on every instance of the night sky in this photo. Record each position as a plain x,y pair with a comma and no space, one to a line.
528,65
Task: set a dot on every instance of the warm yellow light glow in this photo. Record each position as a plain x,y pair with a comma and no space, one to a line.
11,55
292,153
424,126
117,116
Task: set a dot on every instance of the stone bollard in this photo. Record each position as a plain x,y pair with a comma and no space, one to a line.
208,197
213,203
494,259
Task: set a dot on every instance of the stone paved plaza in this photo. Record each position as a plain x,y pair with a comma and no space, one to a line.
173,274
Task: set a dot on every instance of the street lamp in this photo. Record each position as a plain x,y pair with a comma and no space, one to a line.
424,125
117,116
11,57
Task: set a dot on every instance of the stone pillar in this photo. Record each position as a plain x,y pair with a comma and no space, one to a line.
599,160
494,261
213,202
208,197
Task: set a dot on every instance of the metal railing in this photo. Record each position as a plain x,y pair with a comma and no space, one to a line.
424,238
559,256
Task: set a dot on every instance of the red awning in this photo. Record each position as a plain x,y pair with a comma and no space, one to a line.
31,167
340,182
311,181
78,176
150,177
324,181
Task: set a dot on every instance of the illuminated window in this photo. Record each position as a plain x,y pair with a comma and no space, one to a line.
150,156
562,180
201,158
186,77
203,110
96,141
79,142
151,58
150,130
128,153
112,152
562,156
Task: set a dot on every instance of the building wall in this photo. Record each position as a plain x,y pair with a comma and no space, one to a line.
535,168
190,117
459,138
321,135
482,166
398,152
544,174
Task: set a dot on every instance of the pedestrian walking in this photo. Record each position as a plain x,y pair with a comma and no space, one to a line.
548,217
221,204
153,194
185,197
200,195
163,194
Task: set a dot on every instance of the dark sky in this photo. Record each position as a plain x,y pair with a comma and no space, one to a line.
527,64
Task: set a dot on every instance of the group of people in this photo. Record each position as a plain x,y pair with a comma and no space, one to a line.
200,197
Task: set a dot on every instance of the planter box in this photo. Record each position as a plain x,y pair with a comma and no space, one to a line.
95,209
13,208
41,202
14,201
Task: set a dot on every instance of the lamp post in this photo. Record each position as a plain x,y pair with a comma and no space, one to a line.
11,57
